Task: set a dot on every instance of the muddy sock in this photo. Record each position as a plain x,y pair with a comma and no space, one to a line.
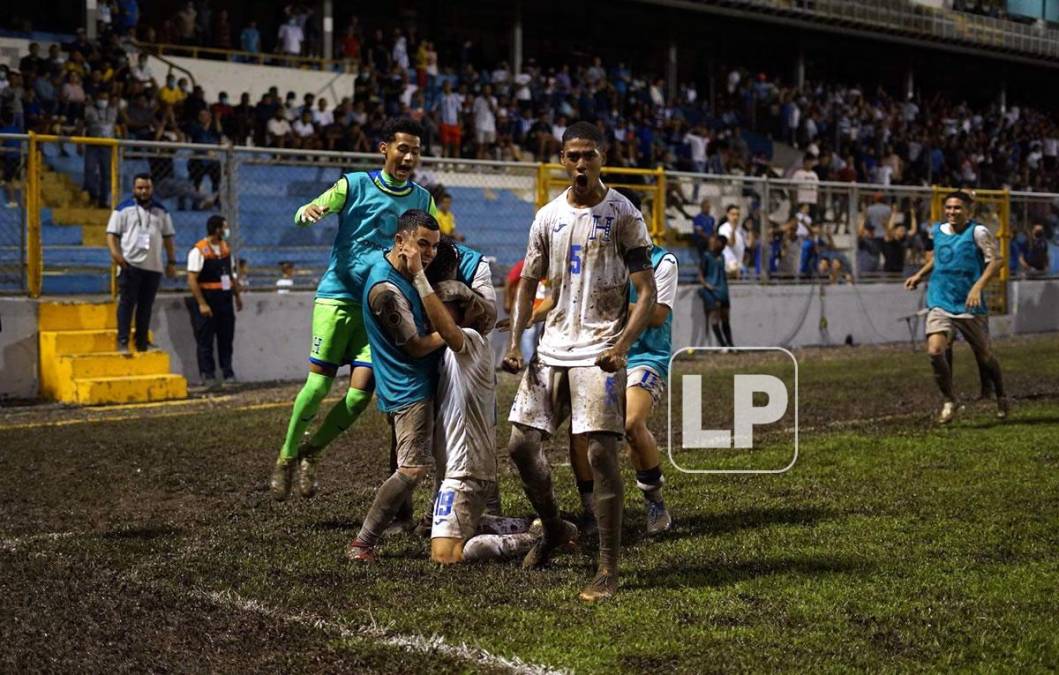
502,525
603,456
497,546
525,450
586,490
942,375
388,501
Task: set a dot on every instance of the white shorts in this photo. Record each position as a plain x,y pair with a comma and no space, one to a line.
646,378
544,399
485,137
459,506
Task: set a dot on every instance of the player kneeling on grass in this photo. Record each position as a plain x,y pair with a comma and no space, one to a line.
466,431
965,259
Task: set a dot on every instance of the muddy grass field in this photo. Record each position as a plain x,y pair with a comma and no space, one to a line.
144,538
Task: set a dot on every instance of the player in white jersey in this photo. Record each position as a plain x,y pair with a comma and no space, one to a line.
588,243
465,429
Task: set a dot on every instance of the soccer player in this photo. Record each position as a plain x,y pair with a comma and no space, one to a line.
406,353
368,205
465,431
965,259
648,370
589,242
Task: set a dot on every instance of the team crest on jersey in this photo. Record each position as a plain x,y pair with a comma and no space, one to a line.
602,226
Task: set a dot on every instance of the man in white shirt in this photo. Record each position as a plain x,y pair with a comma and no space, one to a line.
808,184
485,121
736,248
291,37
137,231
449,105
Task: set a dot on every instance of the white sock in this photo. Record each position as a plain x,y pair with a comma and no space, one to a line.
500,525
496,546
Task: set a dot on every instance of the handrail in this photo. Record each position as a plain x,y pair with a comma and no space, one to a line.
262,58
172,65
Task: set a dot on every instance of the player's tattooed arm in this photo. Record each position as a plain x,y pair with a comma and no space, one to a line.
394,314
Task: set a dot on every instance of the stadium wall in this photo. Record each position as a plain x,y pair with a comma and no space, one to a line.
273,331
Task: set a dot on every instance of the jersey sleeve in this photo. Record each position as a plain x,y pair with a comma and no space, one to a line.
167,225
393,312
632,231
483,281
536,264
331,201
986,243
666,281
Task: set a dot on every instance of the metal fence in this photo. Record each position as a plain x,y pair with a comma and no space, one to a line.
53,239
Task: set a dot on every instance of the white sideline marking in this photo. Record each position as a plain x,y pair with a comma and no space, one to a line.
412,643
11,545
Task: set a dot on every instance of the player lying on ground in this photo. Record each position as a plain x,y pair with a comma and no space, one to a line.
964,261
368,205
589,242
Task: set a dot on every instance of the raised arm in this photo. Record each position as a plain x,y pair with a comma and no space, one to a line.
331,201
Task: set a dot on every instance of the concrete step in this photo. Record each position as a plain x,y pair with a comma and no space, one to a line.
129,389
112,364
62,316
80,216
54,343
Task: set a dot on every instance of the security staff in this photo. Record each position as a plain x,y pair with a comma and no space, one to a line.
212,290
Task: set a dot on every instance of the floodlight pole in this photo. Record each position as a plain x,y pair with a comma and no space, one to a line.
516,40
329,30
91,16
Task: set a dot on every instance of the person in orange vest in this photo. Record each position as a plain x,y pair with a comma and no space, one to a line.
213,289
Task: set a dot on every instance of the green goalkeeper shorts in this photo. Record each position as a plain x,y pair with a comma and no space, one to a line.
339,335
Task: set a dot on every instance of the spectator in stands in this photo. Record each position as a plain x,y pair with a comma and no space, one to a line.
11,160
213,288
11,99
142,72
832,264
171,95
101,121
250,38
449,105
222,31
32,64
136,234
140,118
285,283
128,16
279,130
896,242
807,190
714,290
47,90
184,20
207,131
869,247
291,37
735,239
304,132
446,219
702,226
485,106
1033,260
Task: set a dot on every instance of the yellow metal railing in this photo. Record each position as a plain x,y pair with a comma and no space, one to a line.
991,208
35,200
548,180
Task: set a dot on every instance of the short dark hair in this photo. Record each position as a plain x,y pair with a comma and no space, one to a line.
729,207
446,260
401,125
215,223
721,238
141,176
413,219
585,131
961,195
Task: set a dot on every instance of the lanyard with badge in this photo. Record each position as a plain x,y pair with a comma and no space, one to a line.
143,239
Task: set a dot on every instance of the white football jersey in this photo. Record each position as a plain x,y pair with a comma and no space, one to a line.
466,421
581,252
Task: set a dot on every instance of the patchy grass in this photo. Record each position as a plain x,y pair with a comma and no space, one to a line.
150,543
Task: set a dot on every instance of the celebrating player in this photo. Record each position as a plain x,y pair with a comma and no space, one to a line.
965,259
588,243
368,205
648,370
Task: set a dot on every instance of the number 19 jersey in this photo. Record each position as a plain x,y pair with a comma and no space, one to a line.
581,253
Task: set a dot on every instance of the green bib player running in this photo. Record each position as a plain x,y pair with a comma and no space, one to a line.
368,205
